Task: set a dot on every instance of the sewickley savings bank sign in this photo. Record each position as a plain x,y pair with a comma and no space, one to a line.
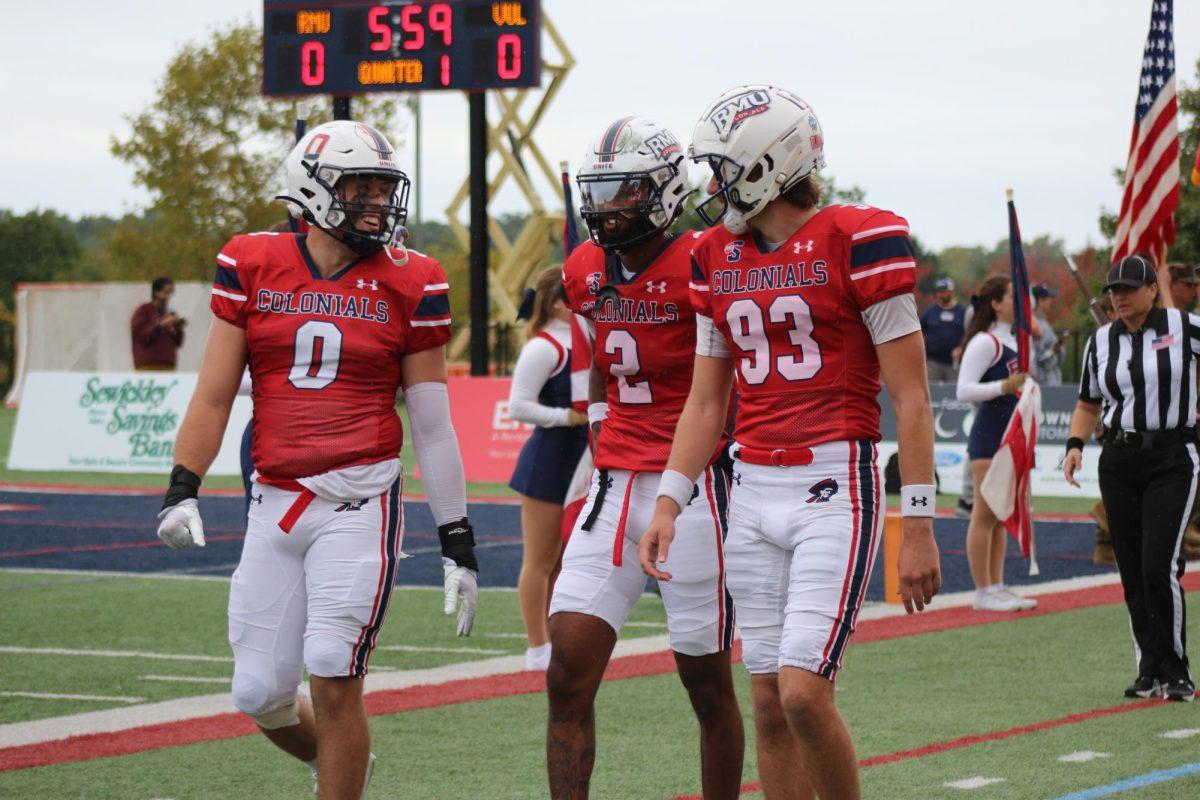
110,422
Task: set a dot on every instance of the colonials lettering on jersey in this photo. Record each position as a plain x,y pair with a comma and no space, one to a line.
323,304
628,310
773,276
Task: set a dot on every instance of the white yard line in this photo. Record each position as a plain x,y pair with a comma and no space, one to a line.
183,576
99,698
118,719
61,651
184,679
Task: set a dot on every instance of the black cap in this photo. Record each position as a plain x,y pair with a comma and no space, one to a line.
1041,291
1131,271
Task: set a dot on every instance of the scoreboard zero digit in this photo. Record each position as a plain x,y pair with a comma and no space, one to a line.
346,47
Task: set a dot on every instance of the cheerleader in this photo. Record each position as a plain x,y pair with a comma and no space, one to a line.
988,377
541,396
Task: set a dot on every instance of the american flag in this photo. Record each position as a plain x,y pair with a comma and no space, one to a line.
1147,220
1022,313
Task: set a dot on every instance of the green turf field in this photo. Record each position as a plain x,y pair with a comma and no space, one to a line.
898,695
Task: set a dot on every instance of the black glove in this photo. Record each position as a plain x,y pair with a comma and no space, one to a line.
458,543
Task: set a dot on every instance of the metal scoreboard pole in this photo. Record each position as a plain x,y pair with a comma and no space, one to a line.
341,107
479,233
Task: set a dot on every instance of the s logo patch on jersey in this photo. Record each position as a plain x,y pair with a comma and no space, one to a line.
733,251
822,491
593,282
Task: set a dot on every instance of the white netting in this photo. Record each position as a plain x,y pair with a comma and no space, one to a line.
84,327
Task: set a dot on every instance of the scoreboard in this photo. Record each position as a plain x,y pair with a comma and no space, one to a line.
346,47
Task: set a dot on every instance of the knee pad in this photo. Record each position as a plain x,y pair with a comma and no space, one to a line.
268,709
327,656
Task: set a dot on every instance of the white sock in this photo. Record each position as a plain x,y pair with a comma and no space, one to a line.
984,592
540,650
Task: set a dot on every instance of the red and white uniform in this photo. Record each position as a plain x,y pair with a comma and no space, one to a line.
644,346
325,525
806,512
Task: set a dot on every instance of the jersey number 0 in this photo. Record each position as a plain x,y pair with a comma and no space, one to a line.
318,350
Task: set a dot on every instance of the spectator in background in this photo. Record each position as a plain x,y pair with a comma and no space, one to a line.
157,331
943,326
1182,287
1047,347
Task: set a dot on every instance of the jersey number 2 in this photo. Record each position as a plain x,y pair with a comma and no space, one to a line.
746,327
317,353
622,345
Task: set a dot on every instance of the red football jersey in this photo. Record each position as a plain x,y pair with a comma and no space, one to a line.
806,366
325,352
645,348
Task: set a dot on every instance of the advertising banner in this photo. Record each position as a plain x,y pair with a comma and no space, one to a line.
490,440
952,426
112,422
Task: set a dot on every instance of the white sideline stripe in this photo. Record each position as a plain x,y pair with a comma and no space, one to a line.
185,679
645,625
117,719
181,576
502,635
408,648
100,698
62,651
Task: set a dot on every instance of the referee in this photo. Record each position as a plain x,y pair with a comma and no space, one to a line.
1142,368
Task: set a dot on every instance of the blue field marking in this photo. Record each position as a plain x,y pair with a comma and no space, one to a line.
1136,782
116,533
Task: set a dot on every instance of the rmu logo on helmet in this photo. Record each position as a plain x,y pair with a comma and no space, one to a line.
727,116
664,144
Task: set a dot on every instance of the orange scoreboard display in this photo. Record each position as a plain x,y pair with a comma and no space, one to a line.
343,47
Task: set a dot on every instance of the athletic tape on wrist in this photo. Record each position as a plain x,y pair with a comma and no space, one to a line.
918,500
677,486
597,412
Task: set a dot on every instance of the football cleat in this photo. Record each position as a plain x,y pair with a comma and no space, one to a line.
1144,687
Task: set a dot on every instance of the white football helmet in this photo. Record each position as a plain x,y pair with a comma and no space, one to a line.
760,141
320,184
635,168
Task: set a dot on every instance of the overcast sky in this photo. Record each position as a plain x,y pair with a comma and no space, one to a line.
932,106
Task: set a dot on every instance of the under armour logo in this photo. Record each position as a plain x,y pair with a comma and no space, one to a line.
351,505
371,284
806,246
918,501
608,483
659,286
695,493
737,478
256,498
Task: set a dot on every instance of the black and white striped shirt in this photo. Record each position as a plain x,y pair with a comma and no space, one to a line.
1147,379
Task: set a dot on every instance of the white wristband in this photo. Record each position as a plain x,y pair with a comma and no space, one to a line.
677,486
918,500
597,412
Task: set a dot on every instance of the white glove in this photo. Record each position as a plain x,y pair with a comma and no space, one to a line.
181,526
460,583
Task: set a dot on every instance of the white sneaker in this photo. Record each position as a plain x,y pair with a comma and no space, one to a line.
997,601
538,658
1026,603
366,781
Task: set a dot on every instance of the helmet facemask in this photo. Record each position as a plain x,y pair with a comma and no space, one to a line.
634,197
351,204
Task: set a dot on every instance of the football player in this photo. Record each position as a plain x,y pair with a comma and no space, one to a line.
809,306
631,282
331,324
